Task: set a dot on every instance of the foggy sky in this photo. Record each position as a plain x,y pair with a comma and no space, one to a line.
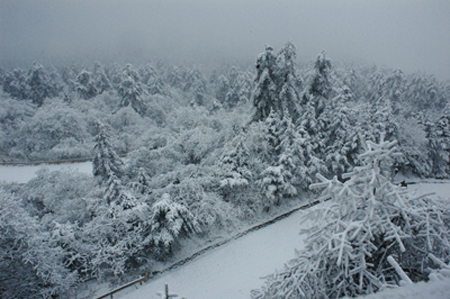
410,35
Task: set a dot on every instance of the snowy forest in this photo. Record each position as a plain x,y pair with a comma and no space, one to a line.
182,152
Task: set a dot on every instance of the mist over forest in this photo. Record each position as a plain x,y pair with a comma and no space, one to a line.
201,118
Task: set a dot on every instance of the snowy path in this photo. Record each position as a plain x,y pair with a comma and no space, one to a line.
24,173
231,270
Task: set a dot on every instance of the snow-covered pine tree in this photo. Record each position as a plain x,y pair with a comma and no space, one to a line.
40,85
106,163
170,219
85,86
320,87
264,95
142,183
367,221
15,84
276,183
292,153
274,131
236,173
290,83
117,195
130,92
102,82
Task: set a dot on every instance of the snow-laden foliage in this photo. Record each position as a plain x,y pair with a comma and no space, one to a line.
278,85
131,92
276,184
366,221
106,163
33,264
264,95
40,85
117,236
85,86
169,220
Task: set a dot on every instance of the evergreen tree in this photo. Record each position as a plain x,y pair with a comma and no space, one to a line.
142,183
102,82
264,95
236,172
106,163
276,183
15,84
39,85
320,87
131,91
438,135
85,86
169,221
290,84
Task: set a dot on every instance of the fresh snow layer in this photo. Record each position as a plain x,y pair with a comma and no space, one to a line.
24,173
231,270
421,290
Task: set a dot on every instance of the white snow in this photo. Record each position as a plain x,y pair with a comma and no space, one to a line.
428,290
24,173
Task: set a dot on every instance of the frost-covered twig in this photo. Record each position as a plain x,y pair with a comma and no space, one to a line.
399,269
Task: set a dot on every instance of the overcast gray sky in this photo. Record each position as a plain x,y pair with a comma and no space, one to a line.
409,34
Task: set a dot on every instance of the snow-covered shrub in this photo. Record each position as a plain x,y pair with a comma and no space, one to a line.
32,262
170,219
117,236
52,123
367,220
276,184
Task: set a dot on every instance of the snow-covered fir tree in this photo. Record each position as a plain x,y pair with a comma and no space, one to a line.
276,183
131,92
142,182
40,85
264,95
318,91
15,84
236,172
106,163
290,83
85,86
102,82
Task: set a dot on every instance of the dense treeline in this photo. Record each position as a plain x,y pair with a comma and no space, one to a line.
203,153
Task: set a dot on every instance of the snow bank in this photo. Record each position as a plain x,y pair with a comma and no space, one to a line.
428,290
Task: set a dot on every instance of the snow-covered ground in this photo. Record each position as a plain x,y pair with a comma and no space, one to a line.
421,290
24,173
